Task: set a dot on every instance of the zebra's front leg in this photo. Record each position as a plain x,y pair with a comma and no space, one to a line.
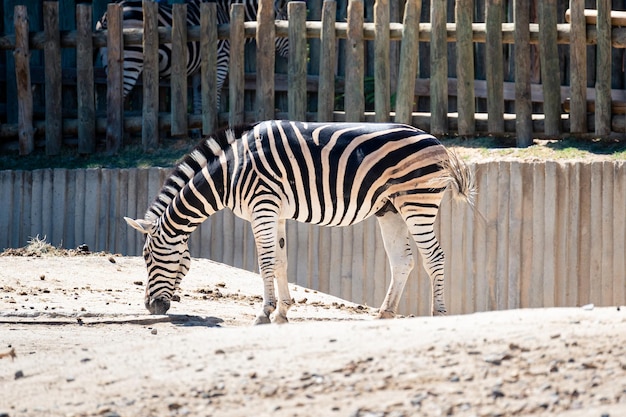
280,269
265,230
397,245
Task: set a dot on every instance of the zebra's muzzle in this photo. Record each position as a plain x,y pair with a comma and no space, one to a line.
157,305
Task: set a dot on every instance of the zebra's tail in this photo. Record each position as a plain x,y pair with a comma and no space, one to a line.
460,177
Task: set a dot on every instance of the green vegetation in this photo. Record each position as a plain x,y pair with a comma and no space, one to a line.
172,150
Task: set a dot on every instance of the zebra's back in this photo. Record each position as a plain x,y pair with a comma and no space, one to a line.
338,174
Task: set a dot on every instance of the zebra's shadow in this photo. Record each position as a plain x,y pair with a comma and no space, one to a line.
187,320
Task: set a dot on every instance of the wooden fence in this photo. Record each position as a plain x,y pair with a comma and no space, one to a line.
573,109
543,234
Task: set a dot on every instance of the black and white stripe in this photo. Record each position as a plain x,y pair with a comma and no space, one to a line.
132,12
329,174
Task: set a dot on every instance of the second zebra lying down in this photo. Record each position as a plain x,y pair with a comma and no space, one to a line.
329,174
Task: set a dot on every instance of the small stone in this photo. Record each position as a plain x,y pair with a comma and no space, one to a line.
19,374
154,331
588,307
42,277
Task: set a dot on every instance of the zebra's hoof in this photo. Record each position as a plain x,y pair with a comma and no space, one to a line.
386,314
261,319
280,319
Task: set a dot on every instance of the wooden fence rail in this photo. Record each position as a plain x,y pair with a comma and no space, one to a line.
601,29
542,235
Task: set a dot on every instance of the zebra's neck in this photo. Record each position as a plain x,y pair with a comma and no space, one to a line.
207,152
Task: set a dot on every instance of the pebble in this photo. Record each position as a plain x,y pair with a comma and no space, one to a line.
153,331
19,374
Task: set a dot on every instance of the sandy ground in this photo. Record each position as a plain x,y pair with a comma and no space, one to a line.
85,346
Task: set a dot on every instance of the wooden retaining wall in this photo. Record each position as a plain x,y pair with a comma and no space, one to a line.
544,234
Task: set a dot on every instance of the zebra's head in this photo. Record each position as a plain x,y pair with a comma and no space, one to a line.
167,260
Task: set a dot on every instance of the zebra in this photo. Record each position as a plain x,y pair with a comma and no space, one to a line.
132,12
328,174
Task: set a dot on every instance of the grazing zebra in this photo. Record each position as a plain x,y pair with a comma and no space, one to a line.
132,12
329,174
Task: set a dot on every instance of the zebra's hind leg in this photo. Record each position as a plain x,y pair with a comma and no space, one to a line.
419,218
280,270
398,248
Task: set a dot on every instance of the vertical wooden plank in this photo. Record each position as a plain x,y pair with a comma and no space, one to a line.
26,208
503,241
115,79
608,186
584,249
265,59
328,55
409,59
345,265
595,272
53,84
150,74
355,69
35,226
438,68
480,237
85,91
465,67
523,103
573,272
382,70
58,214
491,213
21,55
296,94
7,208
179,69
539,203
563,199
325,266
469,256
494,64
236,71
527,235
336,255
549,57
619,234
603,69
208,66
550,234
515,235
69,209
578,67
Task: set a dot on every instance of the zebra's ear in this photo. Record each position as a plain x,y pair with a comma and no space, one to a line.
144,226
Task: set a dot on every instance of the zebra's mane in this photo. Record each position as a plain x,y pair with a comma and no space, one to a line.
207,150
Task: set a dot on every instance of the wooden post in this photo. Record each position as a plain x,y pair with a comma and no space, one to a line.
549,58
84,80
578,71
296,94
236,71
22,74
494,65
53,83
465,67
355,69
150,73
328,55
523,103
208,69
409,59
115,62
265,58
382,95
603,69
438,68
179,69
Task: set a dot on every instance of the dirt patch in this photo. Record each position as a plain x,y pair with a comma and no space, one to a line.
84,345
